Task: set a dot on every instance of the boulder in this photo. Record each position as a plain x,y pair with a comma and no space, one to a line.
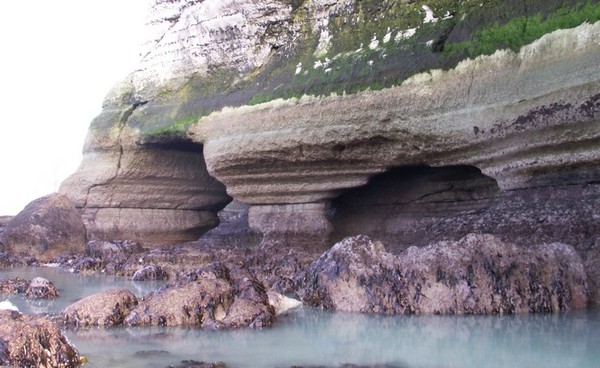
357,275
41,288
210,298
34,342
107,308
482,275
38,288
46,227
477,275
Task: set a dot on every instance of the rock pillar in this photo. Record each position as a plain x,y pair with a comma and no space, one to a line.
303,225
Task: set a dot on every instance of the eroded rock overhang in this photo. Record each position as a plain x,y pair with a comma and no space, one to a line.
526,119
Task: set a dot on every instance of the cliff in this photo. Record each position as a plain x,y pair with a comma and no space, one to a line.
409,121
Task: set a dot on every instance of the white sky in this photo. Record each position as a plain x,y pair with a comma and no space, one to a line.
58,60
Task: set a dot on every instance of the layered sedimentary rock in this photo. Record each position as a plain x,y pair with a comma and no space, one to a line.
291,106
154,194
525,119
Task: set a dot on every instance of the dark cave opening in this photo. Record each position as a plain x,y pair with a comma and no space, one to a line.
173,143
405,205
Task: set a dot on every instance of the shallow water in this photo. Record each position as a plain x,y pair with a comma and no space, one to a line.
310,337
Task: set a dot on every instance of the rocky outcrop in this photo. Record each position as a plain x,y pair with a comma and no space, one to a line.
38,288
153,195
105,309
391,86
477,275
46,227
34,342
13,286
4,220
212,298
512,115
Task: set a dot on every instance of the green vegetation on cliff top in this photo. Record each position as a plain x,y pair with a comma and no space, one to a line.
377,45
523,30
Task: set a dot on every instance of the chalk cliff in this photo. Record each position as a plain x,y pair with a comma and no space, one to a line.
396,119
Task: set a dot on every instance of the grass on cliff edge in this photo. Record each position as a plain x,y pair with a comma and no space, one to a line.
514,34
521,31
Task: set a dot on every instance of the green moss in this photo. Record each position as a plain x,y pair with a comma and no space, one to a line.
348,65
178,127
523,30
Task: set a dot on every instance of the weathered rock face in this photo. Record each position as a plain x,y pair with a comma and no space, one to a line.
498,113
34,342
525,117
154,195
46,227
421,205
476,275
107,308
386,118
4,220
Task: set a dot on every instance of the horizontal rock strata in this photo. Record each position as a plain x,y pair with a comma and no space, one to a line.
516,116
152,195
526,119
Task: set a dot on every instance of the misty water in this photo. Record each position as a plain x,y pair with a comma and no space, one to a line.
311,337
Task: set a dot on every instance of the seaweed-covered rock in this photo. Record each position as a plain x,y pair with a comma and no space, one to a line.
107,308
210,298
34,342
13,286
481,274
477,275
357,275
41,288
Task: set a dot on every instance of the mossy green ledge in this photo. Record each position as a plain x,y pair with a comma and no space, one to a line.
289,103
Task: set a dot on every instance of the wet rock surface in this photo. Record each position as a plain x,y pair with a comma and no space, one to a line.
477,275
107,308
46,227
38,288
212,297
34,342
13,286
41,288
